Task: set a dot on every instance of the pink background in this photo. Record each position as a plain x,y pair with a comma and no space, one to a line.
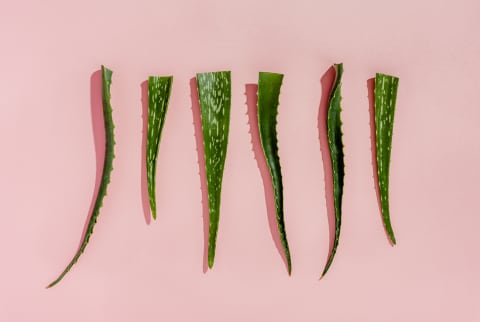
133,270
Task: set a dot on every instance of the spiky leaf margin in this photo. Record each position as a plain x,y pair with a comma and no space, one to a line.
107,169
386,87
335,144
268,94
159,89
214,92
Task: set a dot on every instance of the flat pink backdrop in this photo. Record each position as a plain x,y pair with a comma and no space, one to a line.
138,271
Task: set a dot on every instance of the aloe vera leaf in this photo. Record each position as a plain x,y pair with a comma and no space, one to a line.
214,92
335,144
159,89
107,169
385,99
268,93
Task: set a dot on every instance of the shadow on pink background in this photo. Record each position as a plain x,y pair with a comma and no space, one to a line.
197,123
252,99
98,128
326,83
143,178
99,141
371,108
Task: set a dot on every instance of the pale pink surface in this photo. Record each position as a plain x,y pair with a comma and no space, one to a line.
132,271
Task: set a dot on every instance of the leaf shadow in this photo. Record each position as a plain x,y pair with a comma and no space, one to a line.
251,91
147,213
197,123
326,82
99,140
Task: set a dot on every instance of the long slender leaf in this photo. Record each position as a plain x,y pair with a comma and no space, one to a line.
268,93
385,99
214,91
334,133
107,169
159,89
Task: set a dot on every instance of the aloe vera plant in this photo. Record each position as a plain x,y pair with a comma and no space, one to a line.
268,93
159,89
385,99
335,144
214,92
107,169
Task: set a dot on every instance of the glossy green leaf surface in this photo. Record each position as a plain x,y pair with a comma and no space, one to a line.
268,94
386,87
107,169
159,89
214,92
335,144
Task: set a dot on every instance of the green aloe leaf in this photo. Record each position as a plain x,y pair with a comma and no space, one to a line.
159,89
214,92
385,99
107,169
335,144
268,93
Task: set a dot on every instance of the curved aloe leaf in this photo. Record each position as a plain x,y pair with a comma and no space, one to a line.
159,89
385,98
335,144
107,169
214,92
268,92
